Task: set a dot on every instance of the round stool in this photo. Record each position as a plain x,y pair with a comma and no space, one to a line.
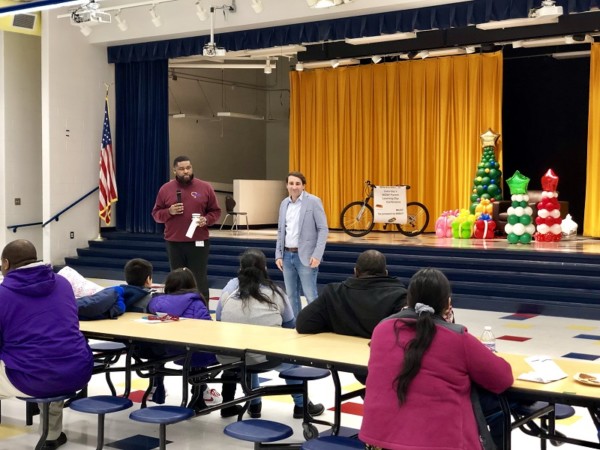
258,430
333,443
101,405
163,415
531,428
45,410
304,373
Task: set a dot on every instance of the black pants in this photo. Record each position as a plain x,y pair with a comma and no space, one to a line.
186,254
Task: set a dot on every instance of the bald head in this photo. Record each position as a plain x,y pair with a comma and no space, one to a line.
370,263
17,254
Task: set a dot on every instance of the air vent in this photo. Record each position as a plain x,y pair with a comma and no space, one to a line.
24,21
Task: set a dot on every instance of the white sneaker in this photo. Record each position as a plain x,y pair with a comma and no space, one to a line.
212,397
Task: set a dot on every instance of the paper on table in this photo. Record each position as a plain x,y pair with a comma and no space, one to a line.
544,370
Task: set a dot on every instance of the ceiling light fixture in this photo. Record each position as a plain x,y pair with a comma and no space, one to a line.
201,12
121,23
318,4
547,13
335,63
572,55
557,40
376,59
219,66
23,8
268,68
381,38
85,30
324,64
299,67
156,21
257,6
240,115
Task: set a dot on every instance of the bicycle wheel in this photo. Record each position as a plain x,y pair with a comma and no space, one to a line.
418,219
357,219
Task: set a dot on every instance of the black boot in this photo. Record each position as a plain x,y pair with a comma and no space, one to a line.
228,394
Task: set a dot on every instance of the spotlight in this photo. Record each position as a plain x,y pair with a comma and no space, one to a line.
376,59
268,68
121,23
335,63
257,6
424,54
470,49
299,67
85,30
155,17
201,12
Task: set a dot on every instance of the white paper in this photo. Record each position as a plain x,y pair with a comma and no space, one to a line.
545,370
390,204
191,228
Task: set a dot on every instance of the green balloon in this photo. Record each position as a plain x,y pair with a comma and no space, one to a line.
513,219
515,204
518,183
480,190
493,174
493,190
525,219
523,204
512,238
474,198
525,238
480,172
485,180
486,196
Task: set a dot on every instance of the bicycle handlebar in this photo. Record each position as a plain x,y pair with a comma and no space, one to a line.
371,185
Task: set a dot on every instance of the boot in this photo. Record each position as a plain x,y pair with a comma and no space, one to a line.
228,394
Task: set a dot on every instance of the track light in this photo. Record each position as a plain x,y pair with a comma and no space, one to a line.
155,17
121,23
335,63
85,30
376,59
268,68
299,67
201,12
257,6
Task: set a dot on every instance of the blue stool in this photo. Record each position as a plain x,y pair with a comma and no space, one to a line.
532,429
258,431
45,401
163,415
101,405
107,353
332,443
306,374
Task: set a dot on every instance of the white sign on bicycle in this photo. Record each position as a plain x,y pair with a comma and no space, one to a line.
390,204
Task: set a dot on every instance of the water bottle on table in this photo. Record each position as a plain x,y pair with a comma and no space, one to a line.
488,339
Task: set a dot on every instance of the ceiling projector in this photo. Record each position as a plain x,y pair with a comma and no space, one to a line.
211,49
87,16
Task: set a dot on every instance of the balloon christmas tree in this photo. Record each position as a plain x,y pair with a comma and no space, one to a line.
548,220
487,182
519,227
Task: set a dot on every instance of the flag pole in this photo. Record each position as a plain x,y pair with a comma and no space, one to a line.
99,237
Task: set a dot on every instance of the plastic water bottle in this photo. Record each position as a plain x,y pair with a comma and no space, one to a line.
488,339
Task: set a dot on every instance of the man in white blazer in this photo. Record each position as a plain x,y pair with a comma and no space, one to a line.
301,237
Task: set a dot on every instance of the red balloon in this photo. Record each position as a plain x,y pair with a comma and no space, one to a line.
539,220
550,181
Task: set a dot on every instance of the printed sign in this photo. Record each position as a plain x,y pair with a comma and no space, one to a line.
390,204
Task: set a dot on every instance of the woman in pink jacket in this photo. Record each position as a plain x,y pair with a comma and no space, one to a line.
421,372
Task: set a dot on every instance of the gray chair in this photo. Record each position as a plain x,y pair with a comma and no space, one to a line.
230,206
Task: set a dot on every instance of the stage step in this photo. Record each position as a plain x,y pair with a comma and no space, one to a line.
513,280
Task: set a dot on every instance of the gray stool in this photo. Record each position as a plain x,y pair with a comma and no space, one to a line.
45,401
163,415
101,405
333,443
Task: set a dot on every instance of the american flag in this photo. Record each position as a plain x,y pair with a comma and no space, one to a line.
107,184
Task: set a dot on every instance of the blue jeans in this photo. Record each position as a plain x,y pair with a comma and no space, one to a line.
254,383
296,274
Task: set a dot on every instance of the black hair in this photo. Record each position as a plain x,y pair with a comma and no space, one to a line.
371,262
252,275
429,287
19,253
180,281
137,271
179,159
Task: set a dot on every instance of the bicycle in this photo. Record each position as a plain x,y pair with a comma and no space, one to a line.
357,217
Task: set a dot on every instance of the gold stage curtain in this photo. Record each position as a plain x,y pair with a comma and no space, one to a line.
591,217
410,122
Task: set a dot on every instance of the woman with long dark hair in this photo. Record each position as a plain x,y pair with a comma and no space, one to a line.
253,298
421,372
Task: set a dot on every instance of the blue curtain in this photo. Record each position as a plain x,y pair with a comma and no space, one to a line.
439,17
142,141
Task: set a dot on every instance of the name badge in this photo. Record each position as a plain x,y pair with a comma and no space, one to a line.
199,243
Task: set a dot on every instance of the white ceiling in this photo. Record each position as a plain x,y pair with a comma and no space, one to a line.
179,17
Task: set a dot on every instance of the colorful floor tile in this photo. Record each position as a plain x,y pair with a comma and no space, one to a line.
585,356
513,338
519,316
594,337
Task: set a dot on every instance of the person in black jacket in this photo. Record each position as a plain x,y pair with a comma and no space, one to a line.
355,306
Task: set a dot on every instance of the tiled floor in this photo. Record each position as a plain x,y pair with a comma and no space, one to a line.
515,334
525,334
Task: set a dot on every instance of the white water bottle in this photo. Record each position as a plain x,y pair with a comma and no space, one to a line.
488,339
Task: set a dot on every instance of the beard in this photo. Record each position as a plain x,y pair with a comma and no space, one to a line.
183,180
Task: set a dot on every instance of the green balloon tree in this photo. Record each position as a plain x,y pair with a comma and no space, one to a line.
488,180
